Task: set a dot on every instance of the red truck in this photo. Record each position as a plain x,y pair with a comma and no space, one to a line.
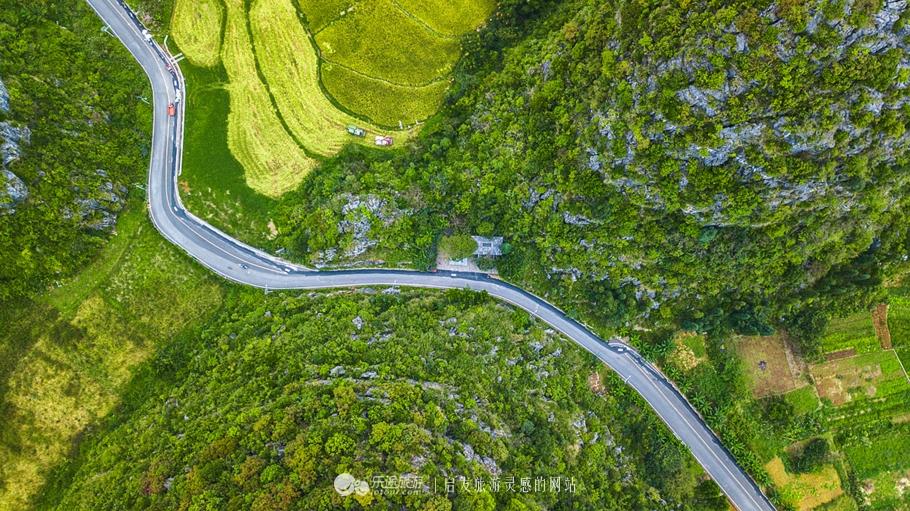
171,110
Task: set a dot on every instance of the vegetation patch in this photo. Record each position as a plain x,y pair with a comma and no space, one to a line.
803,400
380,40
95,329
689,350
451,18
196,26
213,182
320,13
273,161
301,387
458,246
382,102
289,65
888,450
899,315
805,491
888,490
873,375
855,331
770,364
389,61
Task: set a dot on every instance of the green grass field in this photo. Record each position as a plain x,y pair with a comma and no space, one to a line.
382,41
854,331
452,18
320,13
804,400
369,97
80,343
213,182
883,452
899,315
387,60
197,26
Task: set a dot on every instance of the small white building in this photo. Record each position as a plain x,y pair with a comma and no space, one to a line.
488,246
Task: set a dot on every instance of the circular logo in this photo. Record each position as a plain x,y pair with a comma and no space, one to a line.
345,484
361,488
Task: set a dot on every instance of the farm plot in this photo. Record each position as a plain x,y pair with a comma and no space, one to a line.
874,375
320,13
387,60
196,26
854,332
380,101
286,111
888,451
770,365
289,64
381,41
451,18
805,491
273,161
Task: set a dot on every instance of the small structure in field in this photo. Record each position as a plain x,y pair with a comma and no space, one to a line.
356,131
488,246
383,141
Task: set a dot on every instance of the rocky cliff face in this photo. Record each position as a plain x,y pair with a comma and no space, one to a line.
676,152
13,190
783,103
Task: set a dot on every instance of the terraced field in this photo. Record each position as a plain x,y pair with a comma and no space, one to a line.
390,60
273,160
198,30
299,72
291,69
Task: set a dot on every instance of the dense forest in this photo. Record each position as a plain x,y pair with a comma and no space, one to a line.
75,135
706,164
405,384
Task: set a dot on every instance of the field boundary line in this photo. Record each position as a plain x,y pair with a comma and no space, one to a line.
384,80
423,23
254,49
904,369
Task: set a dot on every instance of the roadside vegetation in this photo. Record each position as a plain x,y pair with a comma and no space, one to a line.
302,386
74,133
77,348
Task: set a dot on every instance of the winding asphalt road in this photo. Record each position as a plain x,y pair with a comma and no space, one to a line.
247,265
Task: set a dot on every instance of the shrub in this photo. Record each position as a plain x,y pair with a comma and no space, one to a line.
459,246
811,456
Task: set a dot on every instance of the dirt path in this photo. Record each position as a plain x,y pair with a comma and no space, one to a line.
880,323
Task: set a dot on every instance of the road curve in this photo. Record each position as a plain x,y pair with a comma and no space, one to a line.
244,264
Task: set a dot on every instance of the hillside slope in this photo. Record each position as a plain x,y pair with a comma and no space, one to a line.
736,158
273,399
